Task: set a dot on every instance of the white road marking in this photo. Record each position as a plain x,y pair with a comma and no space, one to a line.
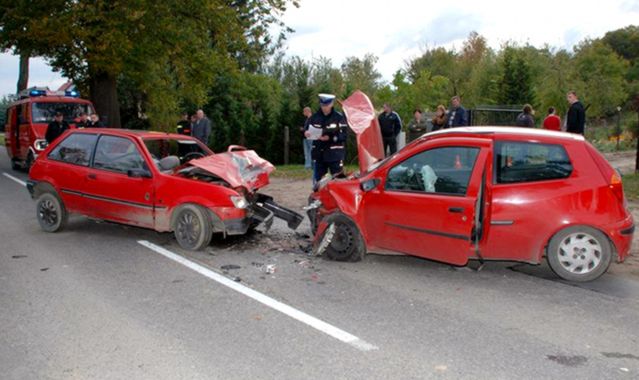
14,179
266,300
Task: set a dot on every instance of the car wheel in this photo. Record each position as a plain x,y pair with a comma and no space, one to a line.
579,253
342,240
15,164
192,228
51,212
29,162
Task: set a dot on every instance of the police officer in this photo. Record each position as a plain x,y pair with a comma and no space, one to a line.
56,127
390,125
328,150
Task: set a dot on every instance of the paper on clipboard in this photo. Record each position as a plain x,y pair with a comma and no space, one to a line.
314,133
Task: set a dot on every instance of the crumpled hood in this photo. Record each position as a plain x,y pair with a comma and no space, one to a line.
237,166
361,118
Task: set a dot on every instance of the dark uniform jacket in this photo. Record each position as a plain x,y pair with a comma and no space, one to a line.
54,130
457,117
334,126
184,127
576,119
390,124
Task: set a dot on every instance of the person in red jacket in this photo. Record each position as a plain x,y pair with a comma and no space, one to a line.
552,121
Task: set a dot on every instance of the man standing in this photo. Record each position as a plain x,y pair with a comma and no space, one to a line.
83,121
306,143
184,125
56,127
328,151
456,114
576,119
552,121
390,124
202,127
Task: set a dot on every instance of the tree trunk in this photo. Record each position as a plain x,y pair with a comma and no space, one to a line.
104,96
23,72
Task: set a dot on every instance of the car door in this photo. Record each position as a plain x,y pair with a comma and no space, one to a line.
67,165
119,184
427,204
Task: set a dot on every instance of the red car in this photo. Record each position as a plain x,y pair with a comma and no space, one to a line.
160,181
485,193
28,118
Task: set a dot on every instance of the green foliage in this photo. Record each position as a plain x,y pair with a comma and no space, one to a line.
515,85
4,104
631,186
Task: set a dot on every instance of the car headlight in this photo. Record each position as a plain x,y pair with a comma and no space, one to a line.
239,201
40,144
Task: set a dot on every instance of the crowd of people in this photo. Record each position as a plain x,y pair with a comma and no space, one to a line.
325,131
196,125
59,125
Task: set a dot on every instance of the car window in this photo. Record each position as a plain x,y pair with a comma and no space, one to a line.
528,162
45,111
184,149
76,149
117,154
441,170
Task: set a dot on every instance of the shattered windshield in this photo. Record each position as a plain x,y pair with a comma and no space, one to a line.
44,112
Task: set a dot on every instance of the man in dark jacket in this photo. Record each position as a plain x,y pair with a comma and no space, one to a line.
390,124
56,128
457,114
576,119
184,125
328,151
201,129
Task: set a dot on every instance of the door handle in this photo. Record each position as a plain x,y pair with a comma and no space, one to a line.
457,210
91,176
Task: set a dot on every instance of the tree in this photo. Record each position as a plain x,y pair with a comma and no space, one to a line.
172,50
515,86
360,74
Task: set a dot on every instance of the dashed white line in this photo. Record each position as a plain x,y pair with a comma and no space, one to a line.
309,320
18,180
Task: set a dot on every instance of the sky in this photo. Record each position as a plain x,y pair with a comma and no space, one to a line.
399,30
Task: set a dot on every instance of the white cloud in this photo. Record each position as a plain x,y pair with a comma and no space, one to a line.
398,30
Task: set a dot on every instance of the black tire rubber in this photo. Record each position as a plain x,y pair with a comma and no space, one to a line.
347,243
50,212
312,216
15,164
554,256
29,162
192,227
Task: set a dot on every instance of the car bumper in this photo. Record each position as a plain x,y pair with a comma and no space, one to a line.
31,184
262,211
621,235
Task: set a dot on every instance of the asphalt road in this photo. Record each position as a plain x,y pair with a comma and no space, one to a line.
92,302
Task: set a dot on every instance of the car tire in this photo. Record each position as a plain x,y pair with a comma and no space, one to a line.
579,253
192,227
346,242
15,164
50,212
29,162
312,216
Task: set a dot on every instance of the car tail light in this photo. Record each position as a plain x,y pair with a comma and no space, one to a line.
612,176
616,186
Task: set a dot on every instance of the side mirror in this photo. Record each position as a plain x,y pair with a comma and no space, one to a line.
139,173
369,184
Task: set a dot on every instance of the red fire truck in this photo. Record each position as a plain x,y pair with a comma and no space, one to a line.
28,117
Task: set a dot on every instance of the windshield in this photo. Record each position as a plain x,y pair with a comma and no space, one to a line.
44,112
185,150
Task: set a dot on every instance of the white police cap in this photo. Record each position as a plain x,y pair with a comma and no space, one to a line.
326,99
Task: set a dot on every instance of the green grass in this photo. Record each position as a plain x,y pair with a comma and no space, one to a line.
1,138
631,186
298,172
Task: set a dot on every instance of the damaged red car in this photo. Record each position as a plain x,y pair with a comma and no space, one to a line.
164,182
484,193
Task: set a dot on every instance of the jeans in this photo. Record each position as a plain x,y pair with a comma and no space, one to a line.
390,143
308,145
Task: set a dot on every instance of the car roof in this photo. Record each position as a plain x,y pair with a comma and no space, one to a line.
499,131
132,133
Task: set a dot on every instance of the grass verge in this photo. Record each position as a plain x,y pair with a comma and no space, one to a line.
631,186
297,172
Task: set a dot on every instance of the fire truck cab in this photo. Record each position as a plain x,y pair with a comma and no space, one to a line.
28,117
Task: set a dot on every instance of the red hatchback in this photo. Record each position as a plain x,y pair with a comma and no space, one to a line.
160,181
486,193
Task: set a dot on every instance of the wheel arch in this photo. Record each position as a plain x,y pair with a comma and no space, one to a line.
214,219
544,249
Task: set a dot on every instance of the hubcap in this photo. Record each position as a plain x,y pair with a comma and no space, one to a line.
188,228
580,253
48,213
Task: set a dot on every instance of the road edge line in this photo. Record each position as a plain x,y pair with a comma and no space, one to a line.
15,179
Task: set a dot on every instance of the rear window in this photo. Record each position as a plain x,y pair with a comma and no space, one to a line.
529,162
76,149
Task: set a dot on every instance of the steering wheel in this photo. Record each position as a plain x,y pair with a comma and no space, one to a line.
191,155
